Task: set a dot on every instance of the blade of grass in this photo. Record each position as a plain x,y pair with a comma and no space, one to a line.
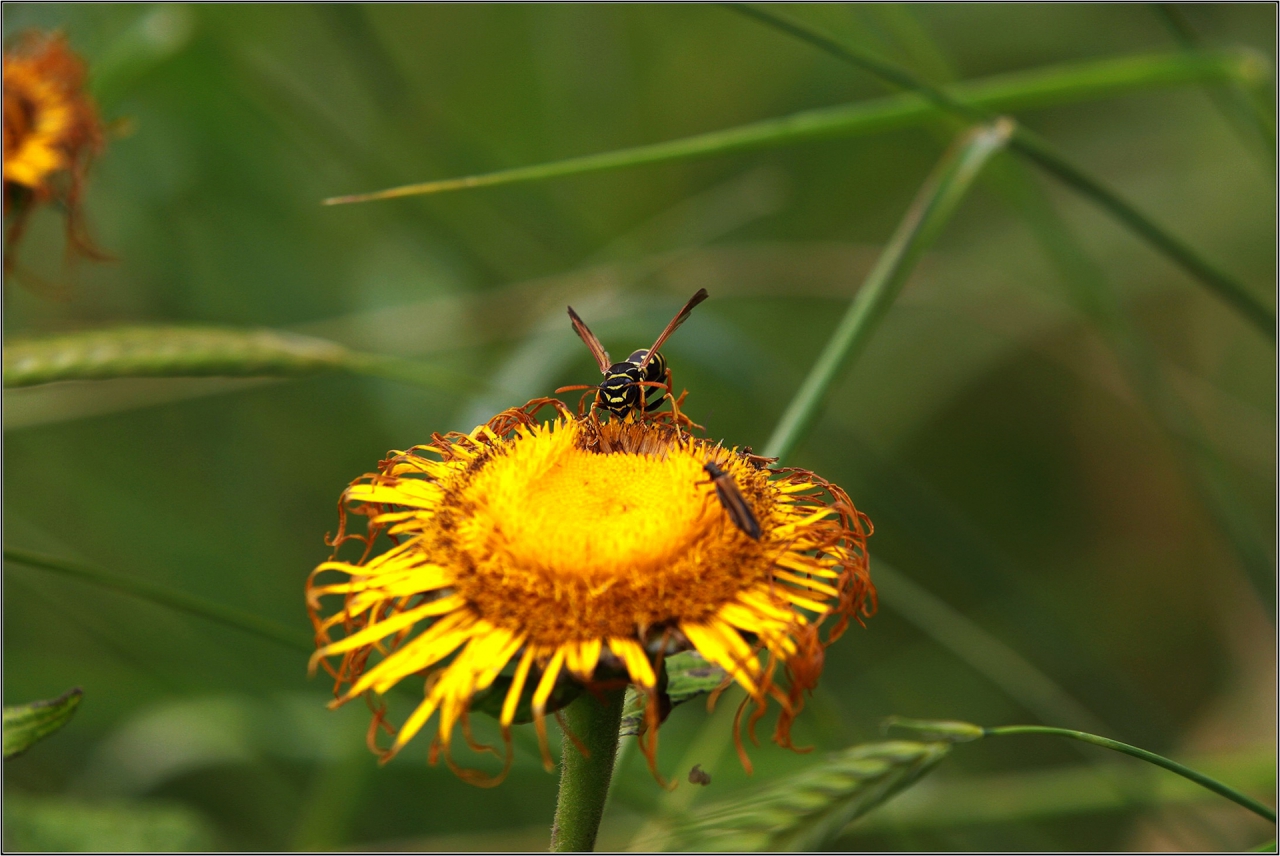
929,212
1059,84
1242,112
203,351
1089,290
1061,792
937,199
971,732
987,655
1094,297
1042,153
299,640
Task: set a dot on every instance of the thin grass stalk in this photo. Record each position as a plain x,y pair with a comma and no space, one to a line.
984,653
164,596
1059,792
1204,469
932,208
1061,84
1145,755
938,198
1243,112
1042,153
1090,291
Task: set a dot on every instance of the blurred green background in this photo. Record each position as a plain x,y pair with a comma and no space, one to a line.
989,431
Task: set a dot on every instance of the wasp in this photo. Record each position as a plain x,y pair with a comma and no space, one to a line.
633,382
735,504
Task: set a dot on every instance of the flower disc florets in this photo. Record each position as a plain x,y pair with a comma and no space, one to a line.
585,549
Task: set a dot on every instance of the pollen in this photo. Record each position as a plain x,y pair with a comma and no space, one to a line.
584,550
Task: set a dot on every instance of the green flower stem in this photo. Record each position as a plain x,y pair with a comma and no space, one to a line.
1039,151
1150,757
164,596
1059,84
932,208
584,779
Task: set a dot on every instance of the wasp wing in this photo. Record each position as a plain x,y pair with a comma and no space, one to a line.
680,318
593,344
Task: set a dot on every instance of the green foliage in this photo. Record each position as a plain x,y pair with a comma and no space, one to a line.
808,810
28,724
1049,527
688,675
58,824
1064,84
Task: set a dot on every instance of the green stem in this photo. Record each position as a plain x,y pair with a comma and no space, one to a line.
163,351
1150,757
1041,152
1241,111
225,615
933,206
584,779
1043,87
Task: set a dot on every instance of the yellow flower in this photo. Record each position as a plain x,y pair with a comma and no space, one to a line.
51,130
583,550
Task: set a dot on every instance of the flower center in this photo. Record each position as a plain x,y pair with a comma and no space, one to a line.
595,542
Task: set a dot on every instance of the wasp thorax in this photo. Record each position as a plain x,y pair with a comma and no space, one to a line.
656,370
620,389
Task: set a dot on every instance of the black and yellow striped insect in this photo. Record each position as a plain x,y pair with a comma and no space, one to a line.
635,381
735,504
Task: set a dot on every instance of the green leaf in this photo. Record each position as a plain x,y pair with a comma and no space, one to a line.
807,811
28,724
689,675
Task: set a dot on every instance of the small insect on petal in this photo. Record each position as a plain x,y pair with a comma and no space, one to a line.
699,776
733,501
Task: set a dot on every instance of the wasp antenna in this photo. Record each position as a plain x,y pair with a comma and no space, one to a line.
680,318
589,339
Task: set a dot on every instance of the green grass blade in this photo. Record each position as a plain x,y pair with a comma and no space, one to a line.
1019,679
931,209
1092,295
1244,113
935,729
298,640
27,724
808,810
1145,755
199,352
1038,150
1227,287
1059,84
1058,793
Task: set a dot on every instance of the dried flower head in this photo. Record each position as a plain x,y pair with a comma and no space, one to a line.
51,132
584,550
